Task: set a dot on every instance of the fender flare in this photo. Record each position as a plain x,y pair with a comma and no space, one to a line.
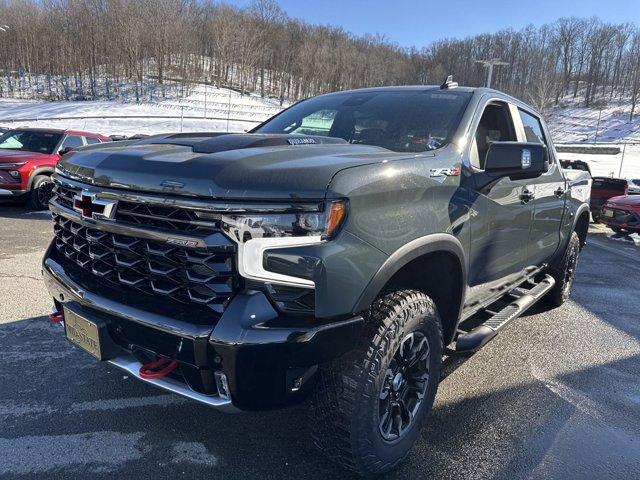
584,207
39,171
437,242
579,212
565,233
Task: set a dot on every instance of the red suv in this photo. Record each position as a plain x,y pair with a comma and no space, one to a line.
622,214
28,157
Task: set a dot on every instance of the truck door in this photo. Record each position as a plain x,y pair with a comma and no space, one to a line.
501,213
548,194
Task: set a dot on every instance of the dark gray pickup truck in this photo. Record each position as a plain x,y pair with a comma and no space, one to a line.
335,253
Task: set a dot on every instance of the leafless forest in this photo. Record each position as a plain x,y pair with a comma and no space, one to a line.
93,47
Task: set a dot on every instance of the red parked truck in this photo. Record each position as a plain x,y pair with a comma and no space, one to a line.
602,189
28,157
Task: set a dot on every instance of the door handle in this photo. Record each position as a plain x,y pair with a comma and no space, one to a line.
559,192
527,195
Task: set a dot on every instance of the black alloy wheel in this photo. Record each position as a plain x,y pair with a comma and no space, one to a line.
404,386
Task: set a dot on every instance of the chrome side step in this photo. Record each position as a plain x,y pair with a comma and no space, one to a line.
480,335
132,366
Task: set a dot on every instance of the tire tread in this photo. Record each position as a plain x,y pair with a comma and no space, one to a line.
339,390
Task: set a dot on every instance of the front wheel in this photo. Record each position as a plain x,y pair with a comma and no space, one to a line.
40,194
565,272
369,406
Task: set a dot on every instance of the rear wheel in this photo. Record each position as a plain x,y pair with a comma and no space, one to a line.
370,405
565,272
40,194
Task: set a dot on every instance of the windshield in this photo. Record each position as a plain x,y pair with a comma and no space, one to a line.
28,141
402,120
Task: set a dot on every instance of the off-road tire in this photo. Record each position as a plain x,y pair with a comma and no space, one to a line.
40,193
344,412
565,272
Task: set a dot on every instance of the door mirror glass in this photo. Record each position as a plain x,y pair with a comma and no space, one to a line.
516,160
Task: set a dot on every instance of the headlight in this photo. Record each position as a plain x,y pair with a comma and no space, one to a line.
14,173
325,225
257,233
12,165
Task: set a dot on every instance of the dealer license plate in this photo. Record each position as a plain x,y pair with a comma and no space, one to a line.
82,332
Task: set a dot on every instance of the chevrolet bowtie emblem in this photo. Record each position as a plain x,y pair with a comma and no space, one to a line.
91,207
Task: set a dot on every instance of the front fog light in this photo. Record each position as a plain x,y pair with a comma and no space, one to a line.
222,384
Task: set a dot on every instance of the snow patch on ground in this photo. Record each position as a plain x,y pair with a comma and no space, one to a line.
625,164
194,453
633,239
103,451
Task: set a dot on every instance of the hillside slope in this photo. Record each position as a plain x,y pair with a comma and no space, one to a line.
205,109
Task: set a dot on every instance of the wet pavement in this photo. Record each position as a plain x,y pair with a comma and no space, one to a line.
556,395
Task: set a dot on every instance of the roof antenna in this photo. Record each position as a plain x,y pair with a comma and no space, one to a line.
448,83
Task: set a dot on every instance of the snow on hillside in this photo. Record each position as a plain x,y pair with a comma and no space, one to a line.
579,124
120,118
610,125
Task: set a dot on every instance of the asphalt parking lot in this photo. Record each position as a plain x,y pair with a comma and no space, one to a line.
556,395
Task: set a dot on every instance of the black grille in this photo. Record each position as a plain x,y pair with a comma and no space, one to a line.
164,217
198,276
64,195
174,219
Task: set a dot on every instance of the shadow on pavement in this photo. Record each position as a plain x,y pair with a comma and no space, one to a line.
16,210
61,395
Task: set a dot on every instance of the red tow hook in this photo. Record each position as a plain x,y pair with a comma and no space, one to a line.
56,317
157,368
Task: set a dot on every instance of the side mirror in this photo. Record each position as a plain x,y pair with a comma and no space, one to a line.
66,150
516,160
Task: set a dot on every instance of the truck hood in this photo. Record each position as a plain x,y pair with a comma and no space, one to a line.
230,166
14,156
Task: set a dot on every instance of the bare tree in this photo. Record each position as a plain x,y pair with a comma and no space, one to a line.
129,48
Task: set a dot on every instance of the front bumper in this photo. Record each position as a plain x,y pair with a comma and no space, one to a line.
624,219
11,193
269,360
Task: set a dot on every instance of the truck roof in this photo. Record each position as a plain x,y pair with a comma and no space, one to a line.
421,87
417,88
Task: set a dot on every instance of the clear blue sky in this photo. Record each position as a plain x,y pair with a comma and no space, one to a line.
418,23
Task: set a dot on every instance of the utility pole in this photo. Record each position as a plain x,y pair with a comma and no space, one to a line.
624,148
595,138
489,64
229,110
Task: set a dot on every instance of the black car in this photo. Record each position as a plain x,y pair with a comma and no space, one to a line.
336,252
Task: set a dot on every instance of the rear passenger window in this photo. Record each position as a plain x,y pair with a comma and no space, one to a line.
91,140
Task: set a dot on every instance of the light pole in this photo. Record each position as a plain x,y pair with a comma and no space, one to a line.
489,64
